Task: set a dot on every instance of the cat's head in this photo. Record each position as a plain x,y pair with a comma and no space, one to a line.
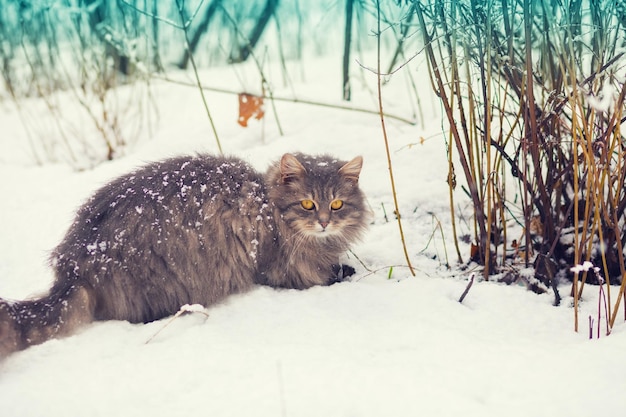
319,196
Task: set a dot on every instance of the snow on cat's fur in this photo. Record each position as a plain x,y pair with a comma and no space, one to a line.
193,230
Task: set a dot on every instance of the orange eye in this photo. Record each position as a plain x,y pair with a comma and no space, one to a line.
336,204
307,204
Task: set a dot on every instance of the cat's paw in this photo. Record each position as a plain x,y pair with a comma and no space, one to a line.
341,272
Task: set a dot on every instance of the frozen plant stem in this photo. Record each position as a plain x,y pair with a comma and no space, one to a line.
293,100
265,84
385,213
602,300
467,288
382,121
180,4
390,272
194,308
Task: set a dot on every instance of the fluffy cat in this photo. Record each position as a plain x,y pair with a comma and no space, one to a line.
194,230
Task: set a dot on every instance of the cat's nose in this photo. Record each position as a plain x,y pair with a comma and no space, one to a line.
324,225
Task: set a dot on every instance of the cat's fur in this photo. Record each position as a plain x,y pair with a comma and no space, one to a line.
193,230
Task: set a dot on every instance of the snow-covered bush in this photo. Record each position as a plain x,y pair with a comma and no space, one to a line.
534,94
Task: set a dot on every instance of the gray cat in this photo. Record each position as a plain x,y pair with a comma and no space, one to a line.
194,230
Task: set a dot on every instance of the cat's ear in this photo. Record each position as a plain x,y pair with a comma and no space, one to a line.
290,168
352,169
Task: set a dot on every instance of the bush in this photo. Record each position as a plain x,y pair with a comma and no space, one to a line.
534,93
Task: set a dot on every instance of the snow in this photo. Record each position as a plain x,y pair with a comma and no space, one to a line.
377,345
586,266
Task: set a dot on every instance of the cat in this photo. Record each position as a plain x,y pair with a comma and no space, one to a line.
193,230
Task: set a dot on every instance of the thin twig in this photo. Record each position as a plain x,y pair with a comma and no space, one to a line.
432,237
382,121
360,261
386,268
266,86
294,100
194,308
195,72
467,288
153,16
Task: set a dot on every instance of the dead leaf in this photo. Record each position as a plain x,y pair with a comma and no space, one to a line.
250,106
536,226
474,253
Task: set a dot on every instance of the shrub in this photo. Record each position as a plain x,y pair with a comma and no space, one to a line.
534,94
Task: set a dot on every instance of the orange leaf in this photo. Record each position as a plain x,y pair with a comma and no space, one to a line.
474,252
249,106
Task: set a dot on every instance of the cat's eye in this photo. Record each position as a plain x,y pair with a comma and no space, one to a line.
336,204
307,204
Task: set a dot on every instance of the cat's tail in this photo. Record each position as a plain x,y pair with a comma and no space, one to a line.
26,323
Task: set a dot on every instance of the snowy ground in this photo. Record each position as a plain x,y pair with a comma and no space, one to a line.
371,347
